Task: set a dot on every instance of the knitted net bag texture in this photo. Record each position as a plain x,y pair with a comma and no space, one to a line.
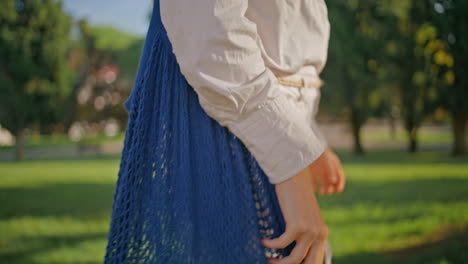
188,190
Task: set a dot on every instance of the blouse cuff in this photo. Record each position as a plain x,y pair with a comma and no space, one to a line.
280,137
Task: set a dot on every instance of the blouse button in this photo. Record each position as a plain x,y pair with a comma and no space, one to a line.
261,105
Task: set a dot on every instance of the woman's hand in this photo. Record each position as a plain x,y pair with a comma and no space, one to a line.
327,171
304,222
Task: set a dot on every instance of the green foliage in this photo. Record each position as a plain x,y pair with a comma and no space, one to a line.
109,38
128,59
355,70
92,49
387,53
34,77
452,24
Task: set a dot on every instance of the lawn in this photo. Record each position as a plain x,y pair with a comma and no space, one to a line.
397,208
62,140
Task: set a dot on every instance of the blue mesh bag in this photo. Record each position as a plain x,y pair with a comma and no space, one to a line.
188,190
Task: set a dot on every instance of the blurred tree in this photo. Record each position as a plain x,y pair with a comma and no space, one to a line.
452,22
354,67
94,50
128,59
416,74
34,77
86,56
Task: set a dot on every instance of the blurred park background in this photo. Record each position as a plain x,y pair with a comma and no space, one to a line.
394,107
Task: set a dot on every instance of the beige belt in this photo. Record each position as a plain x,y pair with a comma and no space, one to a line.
300,82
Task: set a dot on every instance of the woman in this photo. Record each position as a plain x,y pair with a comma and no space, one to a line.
222,153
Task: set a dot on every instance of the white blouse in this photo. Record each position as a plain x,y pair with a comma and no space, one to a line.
232,52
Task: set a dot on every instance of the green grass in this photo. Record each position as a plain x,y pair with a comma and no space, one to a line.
61,140
396,208
55,211
399,207
425,136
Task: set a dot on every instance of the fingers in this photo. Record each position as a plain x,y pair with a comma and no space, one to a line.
297,255
339,185
282,241
328,179
333,179
341,182
316,253
336,177
308,248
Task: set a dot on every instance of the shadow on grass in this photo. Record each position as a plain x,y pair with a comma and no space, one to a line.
394,193
38,245
88,200
446,248
384,156
77,200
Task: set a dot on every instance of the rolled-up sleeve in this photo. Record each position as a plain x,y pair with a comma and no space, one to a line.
217,52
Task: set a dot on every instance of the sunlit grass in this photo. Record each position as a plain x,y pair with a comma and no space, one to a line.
58,211
55,211
62,140
394,201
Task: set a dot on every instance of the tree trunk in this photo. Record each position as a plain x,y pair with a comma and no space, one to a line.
356,125
392,124
19,146
412,129
413,140
70,111
459,134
